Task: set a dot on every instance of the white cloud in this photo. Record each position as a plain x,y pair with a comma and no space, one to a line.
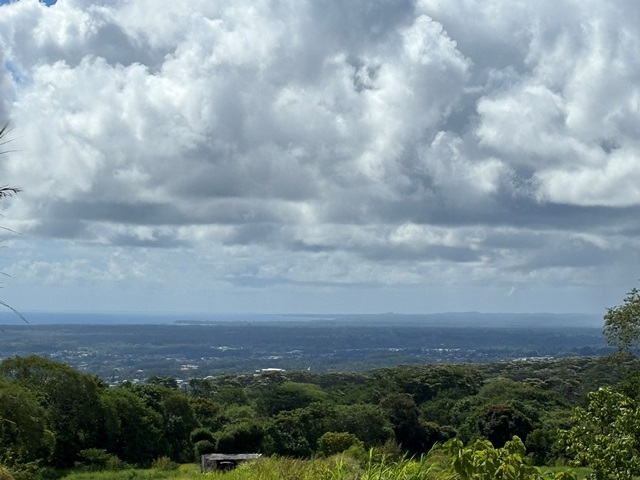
614,183
305,145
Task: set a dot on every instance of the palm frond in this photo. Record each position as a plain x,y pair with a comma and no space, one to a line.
3,132
6,305
5,192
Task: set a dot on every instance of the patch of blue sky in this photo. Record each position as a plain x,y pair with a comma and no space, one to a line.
48,3
16,72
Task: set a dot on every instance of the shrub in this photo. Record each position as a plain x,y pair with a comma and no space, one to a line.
203,447
5,474
26,471
332,443
93,459
606,435
165,464
482,461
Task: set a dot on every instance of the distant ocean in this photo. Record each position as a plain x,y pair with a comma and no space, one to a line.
126,318
460,319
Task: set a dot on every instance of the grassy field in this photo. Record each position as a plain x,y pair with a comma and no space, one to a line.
334,468
279,469
185,472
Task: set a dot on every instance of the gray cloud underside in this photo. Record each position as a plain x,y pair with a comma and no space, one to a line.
474,133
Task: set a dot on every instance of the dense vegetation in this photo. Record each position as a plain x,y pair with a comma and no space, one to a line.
54,416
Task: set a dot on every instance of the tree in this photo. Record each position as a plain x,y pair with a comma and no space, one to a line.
70,398
207,412
178,417
622,323
295,433
287,436
499,423
201,433
275,398
504,408
24,431
411,433
245,437
202,447
367,422
179,421
167,382
606,435
133,430
201,387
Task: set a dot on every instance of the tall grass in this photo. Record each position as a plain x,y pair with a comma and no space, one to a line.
425,467
434,466
185,472
338,467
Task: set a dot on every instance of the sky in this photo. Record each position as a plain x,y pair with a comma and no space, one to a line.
318,156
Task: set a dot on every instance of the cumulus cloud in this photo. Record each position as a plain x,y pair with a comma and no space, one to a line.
326,143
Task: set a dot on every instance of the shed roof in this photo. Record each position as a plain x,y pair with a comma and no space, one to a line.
231,456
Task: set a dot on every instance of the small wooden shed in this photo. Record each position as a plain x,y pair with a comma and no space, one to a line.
225,461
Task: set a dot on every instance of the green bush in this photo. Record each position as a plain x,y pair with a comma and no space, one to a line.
481,461
332,443
5,474
28,471
165,464
606,435
203,447
95,459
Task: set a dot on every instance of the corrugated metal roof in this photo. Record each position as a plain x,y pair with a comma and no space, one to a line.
231,456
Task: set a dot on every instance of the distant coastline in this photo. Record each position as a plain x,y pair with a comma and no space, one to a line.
460,319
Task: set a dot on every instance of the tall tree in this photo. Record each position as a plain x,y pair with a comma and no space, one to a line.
24,430
70,398
177,414
133,430
622,323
